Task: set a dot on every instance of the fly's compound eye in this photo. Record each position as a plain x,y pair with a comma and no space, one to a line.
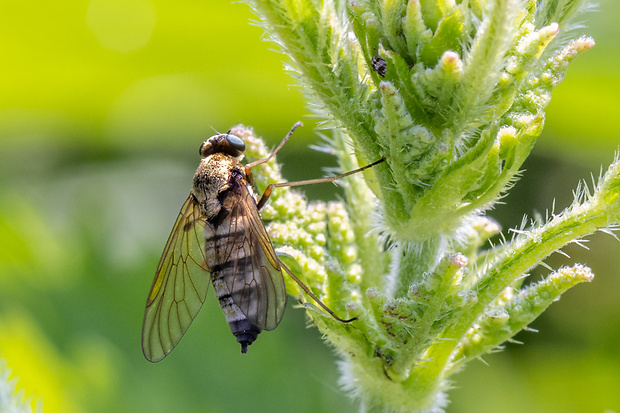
235,142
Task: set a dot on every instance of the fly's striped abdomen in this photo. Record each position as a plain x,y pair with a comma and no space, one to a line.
245,271
232,263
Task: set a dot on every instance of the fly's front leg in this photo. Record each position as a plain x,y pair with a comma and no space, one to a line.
272,154
248,167
248,175
266,194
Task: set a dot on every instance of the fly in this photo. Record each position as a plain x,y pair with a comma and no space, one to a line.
219,232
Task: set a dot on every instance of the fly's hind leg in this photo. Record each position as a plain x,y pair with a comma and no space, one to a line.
314,297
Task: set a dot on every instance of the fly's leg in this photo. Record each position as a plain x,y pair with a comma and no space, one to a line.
267,193
267,159
314,297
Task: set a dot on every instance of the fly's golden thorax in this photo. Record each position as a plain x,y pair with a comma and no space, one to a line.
212,178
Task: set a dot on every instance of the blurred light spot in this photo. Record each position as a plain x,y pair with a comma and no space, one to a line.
121,25
161,108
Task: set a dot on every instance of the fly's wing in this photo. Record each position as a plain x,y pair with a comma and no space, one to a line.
250,267
180,285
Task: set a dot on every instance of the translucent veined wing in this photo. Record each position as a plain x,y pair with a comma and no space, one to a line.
246,262
180,285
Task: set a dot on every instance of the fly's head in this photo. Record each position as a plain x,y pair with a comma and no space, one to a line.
224,143
220,156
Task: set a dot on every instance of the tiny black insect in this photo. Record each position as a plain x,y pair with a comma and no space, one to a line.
379,65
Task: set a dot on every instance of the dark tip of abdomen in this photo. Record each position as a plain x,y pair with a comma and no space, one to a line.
245,332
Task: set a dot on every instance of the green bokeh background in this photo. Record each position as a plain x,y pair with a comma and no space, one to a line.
103,105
